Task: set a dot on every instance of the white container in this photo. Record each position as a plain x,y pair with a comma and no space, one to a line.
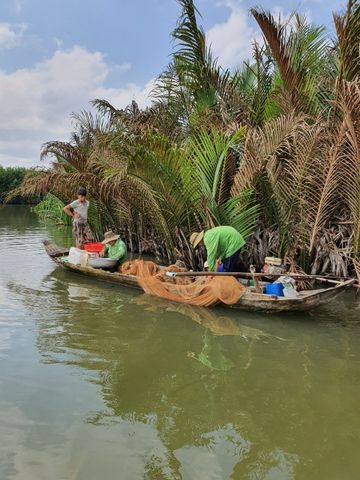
99,262
77,256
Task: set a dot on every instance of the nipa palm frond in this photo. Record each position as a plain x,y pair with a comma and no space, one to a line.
349,153
348,37
241,213
261,145
300,53
210,163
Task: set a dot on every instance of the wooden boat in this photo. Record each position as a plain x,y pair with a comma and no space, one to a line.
251,301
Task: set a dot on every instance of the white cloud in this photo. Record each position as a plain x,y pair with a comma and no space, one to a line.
11,36
232,40
36,102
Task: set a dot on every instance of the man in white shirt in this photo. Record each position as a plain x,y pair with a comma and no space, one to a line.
78,209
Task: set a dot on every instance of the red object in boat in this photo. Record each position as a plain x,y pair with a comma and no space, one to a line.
94,247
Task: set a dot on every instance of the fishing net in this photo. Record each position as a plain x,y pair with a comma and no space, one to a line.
198,291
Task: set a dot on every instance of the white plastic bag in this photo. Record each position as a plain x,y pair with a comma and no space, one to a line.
77,256
289,287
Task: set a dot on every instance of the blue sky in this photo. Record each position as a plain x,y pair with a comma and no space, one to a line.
56,55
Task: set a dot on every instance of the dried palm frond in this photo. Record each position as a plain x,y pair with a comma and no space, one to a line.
296,171
75,158
349,154
295,184
327,193
261,145
300,52
348,37
276,37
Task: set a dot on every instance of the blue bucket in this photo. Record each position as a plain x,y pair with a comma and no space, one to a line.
274,289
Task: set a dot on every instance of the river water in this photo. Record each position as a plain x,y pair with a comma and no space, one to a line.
99,382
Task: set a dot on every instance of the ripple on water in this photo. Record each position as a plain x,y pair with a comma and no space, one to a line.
11,322
22,241
107,380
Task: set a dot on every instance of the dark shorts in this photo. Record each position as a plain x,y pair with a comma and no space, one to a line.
230,264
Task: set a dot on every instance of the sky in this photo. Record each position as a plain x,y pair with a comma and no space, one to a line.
58,55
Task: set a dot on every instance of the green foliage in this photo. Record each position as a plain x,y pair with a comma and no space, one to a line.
207,174
50,209
10,179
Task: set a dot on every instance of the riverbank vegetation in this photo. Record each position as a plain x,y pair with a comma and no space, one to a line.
272,148
10,179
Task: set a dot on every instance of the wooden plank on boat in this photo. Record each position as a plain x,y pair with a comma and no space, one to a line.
295,276
53,250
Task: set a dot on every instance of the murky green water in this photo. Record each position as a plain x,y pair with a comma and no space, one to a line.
103,383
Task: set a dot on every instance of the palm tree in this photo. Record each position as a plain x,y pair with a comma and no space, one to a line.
271,148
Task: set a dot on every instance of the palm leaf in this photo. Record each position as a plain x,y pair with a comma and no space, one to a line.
348,37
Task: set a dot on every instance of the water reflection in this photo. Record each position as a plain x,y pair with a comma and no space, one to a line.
103,382
244,403
215,320
212,354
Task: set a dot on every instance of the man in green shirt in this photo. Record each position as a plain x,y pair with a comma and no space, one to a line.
114,248
222,244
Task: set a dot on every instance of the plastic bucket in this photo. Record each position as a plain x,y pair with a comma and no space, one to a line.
94,247
274,289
